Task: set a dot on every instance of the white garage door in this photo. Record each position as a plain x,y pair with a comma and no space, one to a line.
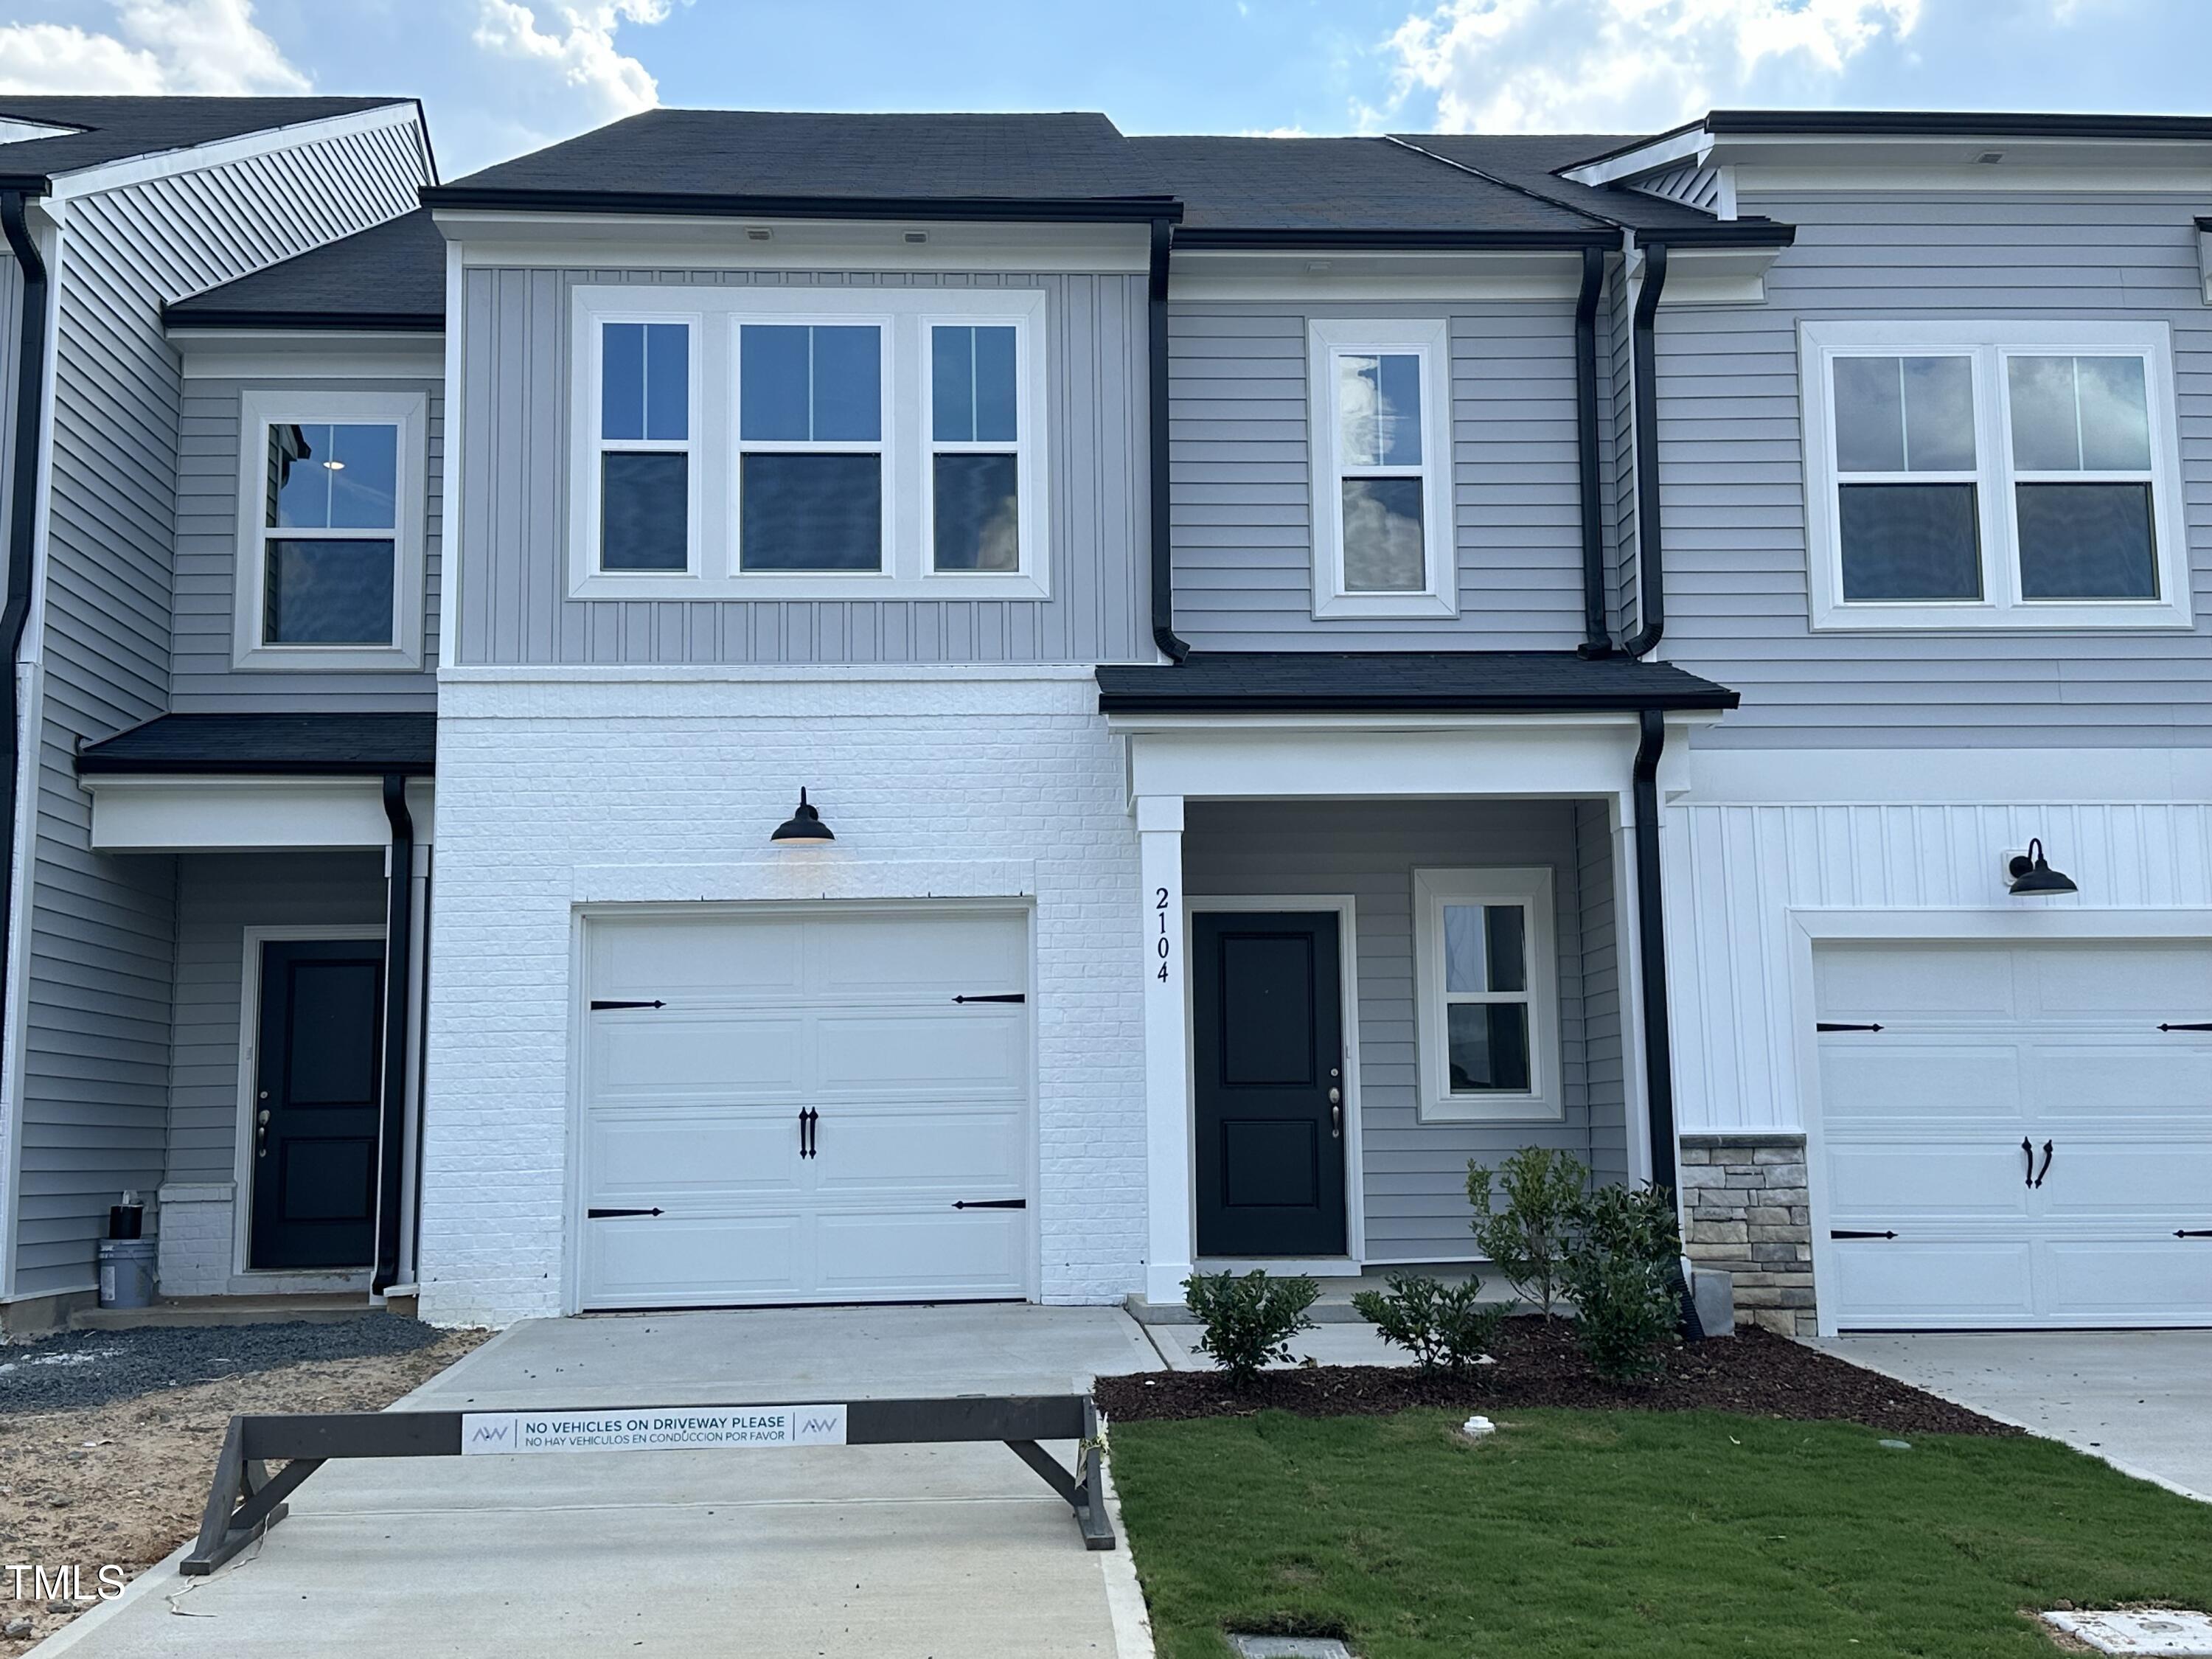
793,1107
2020,1144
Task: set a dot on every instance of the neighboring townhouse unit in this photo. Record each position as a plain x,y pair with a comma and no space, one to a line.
1018,710
149,866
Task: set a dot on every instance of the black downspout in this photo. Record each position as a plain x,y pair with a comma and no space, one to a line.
398,917
1651,951
1597,636
22,528
1163,635
1651,568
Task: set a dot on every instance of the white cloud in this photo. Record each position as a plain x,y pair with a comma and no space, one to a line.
581,58
1626,65
206,46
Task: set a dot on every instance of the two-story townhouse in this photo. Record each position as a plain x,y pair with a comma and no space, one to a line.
1021,710
188,779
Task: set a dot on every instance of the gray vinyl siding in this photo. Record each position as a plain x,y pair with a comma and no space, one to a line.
513,604
218,897
1690,183
208,563
1415,1175
1243,489
1733,470
102,929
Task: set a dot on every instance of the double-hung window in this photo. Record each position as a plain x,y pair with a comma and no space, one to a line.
811,441
2014,475
1381,447
331,518
1487,975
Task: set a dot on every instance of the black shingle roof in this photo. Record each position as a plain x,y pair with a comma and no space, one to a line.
390,276
1497,682
360,745
766,161
1306,190
114,129
1532,161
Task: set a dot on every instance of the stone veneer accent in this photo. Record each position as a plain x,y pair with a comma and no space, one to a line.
1746,1212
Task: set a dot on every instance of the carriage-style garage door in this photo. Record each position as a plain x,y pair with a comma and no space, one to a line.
794,1106
2020,1144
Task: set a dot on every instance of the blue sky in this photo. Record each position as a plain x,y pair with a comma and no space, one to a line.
504,75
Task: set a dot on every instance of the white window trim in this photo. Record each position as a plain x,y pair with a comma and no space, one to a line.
1429,338
258,411
906,315
1988,345
1530,887
591,475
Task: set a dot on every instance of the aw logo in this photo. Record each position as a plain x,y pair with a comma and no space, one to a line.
485,1432
817,1425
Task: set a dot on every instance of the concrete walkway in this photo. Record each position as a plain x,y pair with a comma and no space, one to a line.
890,1553
2140,1399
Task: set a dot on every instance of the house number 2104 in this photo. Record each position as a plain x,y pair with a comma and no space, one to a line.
1164,946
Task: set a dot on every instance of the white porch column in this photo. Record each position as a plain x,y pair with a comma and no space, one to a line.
1167,1049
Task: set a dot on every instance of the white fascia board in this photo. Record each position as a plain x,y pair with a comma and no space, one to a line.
1328,274
222,152
308,354
1660,154
683,241
149,813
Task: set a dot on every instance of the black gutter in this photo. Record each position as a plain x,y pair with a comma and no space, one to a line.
1650,567
1651,951
1960,123
365,322
1753,232
22,530
1597,634
1526,241
398,917
1172,646
1043,210
91,763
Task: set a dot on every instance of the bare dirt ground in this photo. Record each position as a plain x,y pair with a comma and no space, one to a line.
122,1484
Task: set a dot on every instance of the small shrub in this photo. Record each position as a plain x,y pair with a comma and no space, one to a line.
1527,1238
1443,1327
1620,1271
1249,1321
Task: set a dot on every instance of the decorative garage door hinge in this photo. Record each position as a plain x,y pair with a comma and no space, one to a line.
601,1215
996,996
2189,1025
992,1204
1846,1232
1831,1025
598,1005
2192,1232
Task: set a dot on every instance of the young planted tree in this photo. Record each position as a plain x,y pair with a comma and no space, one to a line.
1524,1217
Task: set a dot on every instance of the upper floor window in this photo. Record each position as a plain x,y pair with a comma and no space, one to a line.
822,443
1381,425
2019,474
331,519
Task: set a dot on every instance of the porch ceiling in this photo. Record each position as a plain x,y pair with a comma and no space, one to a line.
1480,682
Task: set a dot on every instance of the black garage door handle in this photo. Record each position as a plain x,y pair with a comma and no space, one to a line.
992,1204
601,1215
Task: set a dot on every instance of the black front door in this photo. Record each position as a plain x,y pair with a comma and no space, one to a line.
315,1104
1269,1058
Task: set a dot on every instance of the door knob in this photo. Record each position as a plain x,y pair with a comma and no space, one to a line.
261,1133
1335,1097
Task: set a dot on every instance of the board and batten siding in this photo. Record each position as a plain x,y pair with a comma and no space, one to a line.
1243,489
1734,483
1415,1184
219,897
1734,873
209,563
513,604
95,1058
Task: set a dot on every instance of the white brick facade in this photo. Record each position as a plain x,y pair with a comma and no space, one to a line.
558,792
195,1221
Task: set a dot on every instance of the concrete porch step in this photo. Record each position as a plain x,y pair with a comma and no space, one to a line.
317,1310
1334,1307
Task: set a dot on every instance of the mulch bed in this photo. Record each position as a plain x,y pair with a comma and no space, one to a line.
1752,1373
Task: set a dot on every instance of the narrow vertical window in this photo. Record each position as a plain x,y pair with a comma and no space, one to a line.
645,446
1380,478
975,456
1380,440
330,534
810,448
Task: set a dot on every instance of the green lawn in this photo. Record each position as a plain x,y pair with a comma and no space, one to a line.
1633,1534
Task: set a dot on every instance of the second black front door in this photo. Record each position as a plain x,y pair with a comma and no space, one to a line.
315,1102
1268,1053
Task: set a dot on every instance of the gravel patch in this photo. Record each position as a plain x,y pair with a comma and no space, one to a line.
1752,1373
83,1369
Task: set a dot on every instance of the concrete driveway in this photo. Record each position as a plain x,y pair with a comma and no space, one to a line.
891,1553
2140,1399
